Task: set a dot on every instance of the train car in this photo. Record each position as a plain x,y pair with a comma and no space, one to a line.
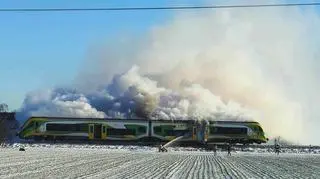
166,130
52,128
84,129
246,132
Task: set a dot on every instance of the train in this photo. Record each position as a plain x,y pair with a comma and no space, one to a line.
142,130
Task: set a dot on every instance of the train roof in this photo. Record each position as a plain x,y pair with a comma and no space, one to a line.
130,119
101,119
230,121
136,119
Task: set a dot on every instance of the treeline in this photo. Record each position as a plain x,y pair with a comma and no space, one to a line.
8,124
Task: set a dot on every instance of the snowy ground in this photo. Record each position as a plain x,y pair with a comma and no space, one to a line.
66,161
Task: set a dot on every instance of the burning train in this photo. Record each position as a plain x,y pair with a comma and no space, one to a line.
142,130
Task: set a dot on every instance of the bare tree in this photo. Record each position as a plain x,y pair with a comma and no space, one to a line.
3,130
4,107
7,122
8,128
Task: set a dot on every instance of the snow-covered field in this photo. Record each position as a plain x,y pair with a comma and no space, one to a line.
65,161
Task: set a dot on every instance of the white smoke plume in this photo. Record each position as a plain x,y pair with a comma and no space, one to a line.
230,64
59,102
132,95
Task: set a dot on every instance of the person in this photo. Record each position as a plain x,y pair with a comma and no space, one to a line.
215,149
162,148
310,149
229,149
277,149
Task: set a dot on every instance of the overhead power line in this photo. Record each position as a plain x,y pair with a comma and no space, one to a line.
156,8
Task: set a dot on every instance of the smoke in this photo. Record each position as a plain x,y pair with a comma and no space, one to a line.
133,95
59,102
232,64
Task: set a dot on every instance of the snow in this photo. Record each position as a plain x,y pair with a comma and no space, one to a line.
107,161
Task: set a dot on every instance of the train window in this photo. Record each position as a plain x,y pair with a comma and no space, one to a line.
83,127
54,127
157,129
91,129
176,132
213,130
67,127
142,130
104,129
116,132
228,130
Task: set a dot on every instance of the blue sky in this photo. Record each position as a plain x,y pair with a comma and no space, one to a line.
40,50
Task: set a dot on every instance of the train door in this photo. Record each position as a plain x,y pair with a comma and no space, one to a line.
194,133
104,132
36,126
91,131
207,132
202,131
97,131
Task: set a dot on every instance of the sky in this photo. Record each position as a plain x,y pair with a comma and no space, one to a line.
40,50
